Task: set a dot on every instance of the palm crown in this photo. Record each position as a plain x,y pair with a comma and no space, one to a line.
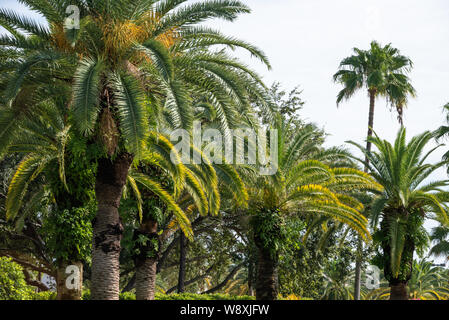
308,182
407,198
382,70
129,62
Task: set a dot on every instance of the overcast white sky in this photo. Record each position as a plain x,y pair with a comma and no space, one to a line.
306,39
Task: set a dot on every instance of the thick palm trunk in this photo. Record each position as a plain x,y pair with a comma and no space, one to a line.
107,227
182,263
359,259
146,267
399,291
267,276
69,281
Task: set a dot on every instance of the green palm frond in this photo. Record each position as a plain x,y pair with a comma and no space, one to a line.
160,57
9,19
155,187
199,12
133,121
86,94
28,169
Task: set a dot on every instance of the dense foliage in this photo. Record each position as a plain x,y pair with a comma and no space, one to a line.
90,176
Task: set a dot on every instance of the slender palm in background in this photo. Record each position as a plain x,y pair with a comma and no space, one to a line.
382,70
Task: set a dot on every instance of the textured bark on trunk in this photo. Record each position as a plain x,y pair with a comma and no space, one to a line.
250,278
146,269
359,259
358,270
182,263
69,285
267,277
107,227
399,291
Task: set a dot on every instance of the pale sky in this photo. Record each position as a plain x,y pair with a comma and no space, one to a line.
306,39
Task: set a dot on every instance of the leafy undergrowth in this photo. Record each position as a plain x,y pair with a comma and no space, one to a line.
49,295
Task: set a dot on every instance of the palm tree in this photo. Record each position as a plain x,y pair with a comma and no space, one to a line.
337,286
303,184
428,282
443,131
383,72
123,61
404,204
440,235
52,179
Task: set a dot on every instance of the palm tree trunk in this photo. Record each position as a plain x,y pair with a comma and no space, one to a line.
359,258
358,269
267,276
146,267
107,227
250,278
69,286
398,291
182,263
372,100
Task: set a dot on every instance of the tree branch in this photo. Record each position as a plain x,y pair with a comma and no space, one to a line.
225,281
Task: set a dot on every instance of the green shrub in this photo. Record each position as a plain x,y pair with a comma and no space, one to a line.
127,296
12,281
193,296
44,295
177,296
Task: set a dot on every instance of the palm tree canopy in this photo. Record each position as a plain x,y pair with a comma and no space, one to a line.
403,172
381,69
131,64
307,181
408,197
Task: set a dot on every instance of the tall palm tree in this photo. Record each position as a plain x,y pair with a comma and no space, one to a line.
303,184
407,200
382,71
121,62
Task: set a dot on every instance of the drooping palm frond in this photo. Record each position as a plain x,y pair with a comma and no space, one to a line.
156,188
86,94
133,121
